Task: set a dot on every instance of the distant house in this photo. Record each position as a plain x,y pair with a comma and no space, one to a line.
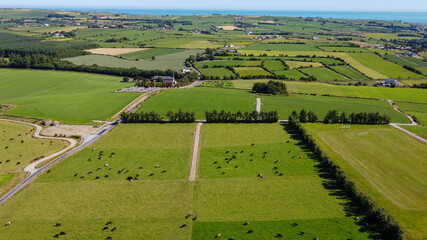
185,70
58,35
168,80
390,82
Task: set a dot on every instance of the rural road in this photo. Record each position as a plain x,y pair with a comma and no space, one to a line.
195,155
31,168
35,172
258,105
413,123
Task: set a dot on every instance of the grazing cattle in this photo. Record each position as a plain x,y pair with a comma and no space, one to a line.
105,165
58,225
232,238
218,167
222,173
22,141
301,156
151,174
98,169
218,235
137,175
246,223
295,224
276,172
194,218
129,178
301,233
135,178
252,144
252,154
89,160
82,177
234,156
1,162
7,161
127,171
56,236
226,159
251,159
227,151
62,233
281,174
235,152
242,151
114,229
164,171
276,161
75,175
108,223
293,156
105,228
215,162
157,166
119,171
251,231
275,168
96,177
93,149
263,156
278,235
183,225
108,238
6,147
287,141
140,167
110,169
106,176
289,151
8,224
18,163
265,152
90,172
48,171
236,166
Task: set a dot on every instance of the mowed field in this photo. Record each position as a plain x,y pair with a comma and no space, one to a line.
322,104
67,97
419,111
174,61
324,74
229,193
384,163
152,207
200,100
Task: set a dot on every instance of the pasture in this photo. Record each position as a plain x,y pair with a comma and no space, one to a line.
231,63
67,97
273,65
251,71
150,52
272,205
321,105
18,147
291,74
152,207
114,51
283,47
324,74
200,100
383,66
373,158
349,72
174,61
216,72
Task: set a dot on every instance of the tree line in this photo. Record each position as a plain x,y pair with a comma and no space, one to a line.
333,116
383,222
154,117
247,117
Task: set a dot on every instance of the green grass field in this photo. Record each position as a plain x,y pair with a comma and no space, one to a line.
283,47
273,65
323,74
63,96
220,84
200,100
18,145
174,61
291,74
271,205
417,61
380,65
321,105
251,71
150,208
400,60
147,54
349,72
384,163
420,112
5,177
344,49
232,63
397,94
216,72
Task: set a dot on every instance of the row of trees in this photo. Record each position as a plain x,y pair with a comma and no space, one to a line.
357,118
248,117
304,117
153,117
271,87
383,222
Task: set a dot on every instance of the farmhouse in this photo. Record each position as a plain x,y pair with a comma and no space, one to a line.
390,82
168,80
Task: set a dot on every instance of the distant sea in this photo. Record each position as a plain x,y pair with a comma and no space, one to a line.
416,17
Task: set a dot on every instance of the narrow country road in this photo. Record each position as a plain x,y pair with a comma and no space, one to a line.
258,105
413,123
195,155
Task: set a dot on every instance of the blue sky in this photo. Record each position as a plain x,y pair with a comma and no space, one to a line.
307,5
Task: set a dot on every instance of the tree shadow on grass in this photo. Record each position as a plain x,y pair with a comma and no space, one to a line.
350,206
